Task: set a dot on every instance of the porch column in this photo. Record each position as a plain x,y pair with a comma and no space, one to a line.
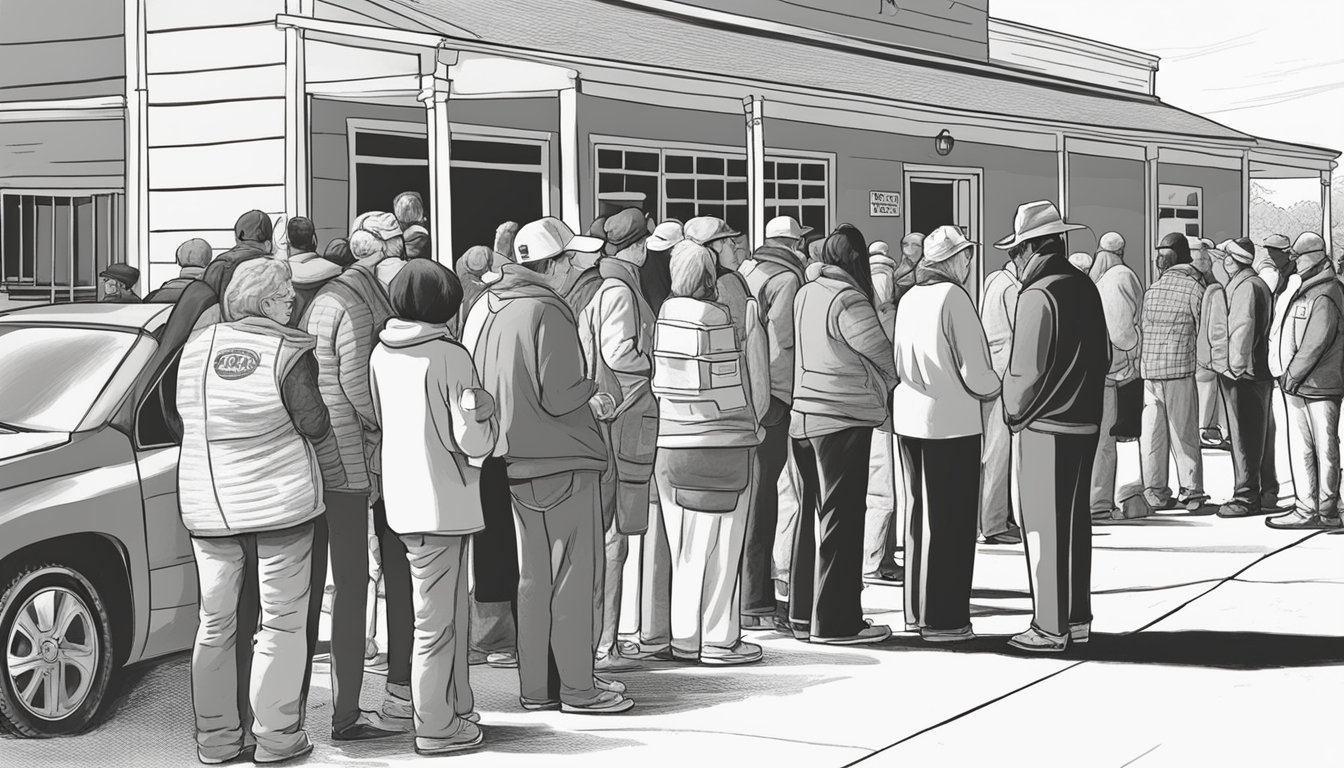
1246,193
1149,211
1062,151
569,155
754,106
1327,218
434,89
136,242
296,115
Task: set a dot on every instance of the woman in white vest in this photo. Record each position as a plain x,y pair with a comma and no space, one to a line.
712,389
256,446
437,425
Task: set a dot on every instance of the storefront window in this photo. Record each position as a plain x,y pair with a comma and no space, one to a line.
1179,210
53,246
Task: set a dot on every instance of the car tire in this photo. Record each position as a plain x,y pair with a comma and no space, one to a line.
53,679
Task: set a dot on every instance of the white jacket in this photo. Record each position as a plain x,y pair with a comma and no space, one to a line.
998,308
435,419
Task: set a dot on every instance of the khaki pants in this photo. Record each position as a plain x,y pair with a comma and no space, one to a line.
1171,428
1212,413
1103,495
440,683
996,509
1313,434
280,647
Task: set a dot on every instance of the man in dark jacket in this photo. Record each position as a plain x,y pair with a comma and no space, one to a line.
1247,384
1312,340
1052,397
119,284
774,273
192,257
252,232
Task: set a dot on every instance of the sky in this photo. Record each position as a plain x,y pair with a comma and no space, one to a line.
1273,69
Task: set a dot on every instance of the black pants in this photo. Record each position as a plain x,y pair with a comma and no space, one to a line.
944,484
1250,420
826,577
758,583
495,557
400,611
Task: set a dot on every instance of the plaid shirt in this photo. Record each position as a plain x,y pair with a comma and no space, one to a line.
1171,310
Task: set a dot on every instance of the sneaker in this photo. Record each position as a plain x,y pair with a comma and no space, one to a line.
742,653
1235,509
502,659
607,703
609,686
614,662
476,658
369,726
396,708
226,756
1036,641
1010,536
1080,632
534,705
1297,520
471,717
1103,514
1159,500
640,650
672,654
1193,502
873,633
263,757
469,736
947,635
1270,505
911,626
885,577
760,623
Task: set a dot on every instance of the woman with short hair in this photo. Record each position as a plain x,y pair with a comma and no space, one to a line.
437,423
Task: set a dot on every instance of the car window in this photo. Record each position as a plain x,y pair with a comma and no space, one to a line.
157,423
51,375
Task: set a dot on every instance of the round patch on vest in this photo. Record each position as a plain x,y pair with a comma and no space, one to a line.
236,363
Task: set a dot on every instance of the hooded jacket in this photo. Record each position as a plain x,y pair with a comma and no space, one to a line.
1122,301
253,235
524,339
1249,313
1312,338
843,369
435,419
310,272
773,276
1061,354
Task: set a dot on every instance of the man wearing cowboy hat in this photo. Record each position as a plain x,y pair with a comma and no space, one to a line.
1312,342
1247,384
1169,354
1052,397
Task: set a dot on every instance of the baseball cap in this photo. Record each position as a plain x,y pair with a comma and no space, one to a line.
549,237
666,235
1308,242
706,229
787,227
625,228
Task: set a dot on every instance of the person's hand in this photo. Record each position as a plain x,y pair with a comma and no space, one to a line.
603,406
478,403
1290,385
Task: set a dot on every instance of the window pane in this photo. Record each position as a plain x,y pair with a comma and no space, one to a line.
709,189
1187,213
1166,213
814,171
391,145
710,210
771,211
769,190
9,239
769,171
788,210
814,216
737,190
709,165
51,375
641,161
737,168
737,217
610,182
682,212
683,189
499,152
814,192
1192,230
1192,199
787,171
649,186
608,158
680,164
788,192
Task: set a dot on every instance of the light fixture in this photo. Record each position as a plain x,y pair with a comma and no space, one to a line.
944,142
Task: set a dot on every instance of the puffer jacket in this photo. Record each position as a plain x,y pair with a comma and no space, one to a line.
844,368
1312,338
346,316
774,275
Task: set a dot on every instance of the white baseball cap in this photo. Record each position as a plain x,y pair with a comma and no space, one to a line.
549,237
785,226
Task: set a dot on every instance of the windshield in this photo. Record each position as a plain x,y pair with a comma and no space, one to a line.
50,376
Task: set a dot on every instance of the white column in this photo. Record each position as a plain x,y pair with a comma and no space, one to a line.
1327,217
1146,249
296,116
1062,150
754,107
137,145
569,156
1246,193
434,89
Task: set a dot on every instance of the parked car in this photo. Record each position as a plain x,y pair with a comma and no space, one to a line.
96,569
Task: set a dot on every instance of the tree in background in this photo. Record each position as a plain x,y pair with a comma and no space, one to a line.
1268,218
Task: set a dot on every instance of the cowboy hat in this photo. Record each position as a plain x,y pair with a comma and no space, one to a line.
1034,220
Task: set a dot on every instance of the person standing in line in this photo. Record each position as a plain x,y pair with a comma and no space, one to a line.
655,277
946,374
711,387
385,227
525,341
1171,314
311,272
338,253
193,256
409,209
843,376
252,233
998,306
879,561
503,251
119,284
1082,261
1122,304
884,284
345,317
1312,352
1210,355
616,332
774,273
471,269
1052,398
1247,384
250,473
436,423
1278,267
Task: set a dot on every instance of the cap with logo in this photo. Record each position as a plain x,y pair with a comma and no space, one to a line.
549,237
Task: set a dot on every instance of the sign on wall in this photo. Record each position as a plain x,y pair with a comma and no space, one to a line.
884,204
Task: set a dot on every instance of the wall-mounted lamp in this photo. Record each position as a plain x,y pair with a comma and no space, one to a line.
944,142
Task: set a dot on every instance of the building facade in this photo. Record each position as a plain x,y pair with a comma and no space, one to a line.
151,122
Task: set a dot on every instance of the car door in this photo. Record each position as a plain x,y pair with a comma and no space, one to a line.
172,567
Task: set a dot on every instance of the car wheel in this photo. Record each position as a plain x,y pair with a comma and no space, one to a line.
57,660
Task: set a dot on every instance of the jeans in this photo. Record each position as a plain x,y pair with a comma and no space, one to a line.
1171,426
1313,433
758,583
556,519
280,649
706,550
1250,417
1057,526
996,509
827,571
940,559
440,682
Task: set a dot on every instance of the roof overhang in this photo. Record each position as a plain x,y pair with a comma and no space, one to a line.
1272,159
